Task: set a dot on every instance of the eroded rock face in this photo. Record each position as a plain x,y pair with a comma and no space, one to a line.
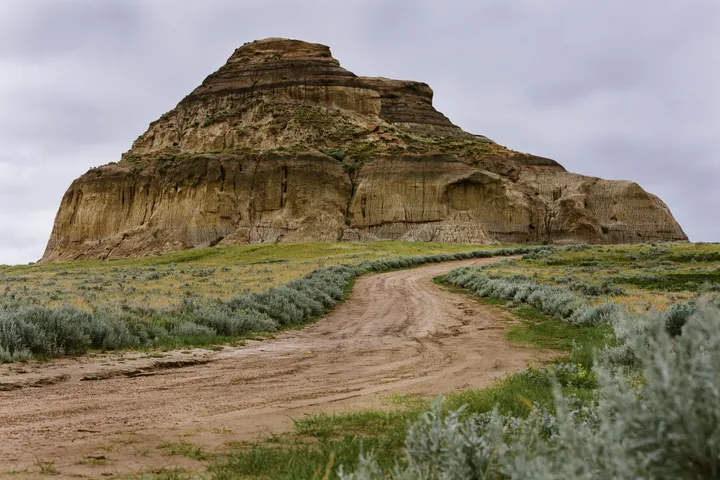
284,145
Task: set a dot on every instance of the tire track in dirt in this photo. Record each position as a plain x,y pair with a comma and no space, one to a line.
398,333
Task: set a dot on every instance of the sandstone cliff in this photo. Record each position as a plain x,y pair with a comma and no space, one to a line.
282,144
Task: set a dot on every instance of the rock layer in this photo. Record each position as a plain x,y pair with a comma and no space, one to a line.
284,145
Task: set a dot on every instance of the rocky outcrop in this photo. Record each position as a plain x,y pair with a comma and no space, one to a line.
284,145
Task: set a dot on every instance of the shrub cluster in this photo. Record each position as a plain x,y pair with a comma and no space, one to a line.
628,329
407,262
562,303
551,300
44,331
37,330
299,301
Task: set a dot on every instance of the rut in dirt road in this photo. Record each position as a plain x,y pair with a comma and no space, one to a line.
398,333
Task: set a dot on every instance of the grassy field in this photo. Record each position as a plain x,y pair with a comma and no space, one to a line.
193,298
654,276
219,272
648,276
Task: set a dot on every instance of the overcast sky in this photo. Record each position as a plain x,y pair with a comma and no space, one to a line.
622,89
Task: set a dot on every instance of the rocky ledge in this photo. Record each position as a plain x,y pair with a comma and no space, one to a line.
282,144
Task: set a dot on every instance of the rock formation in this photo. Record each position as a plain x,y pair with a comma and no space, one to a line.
282,144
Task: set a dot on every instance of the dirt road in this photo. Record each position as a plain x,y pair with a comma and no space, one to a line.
399,333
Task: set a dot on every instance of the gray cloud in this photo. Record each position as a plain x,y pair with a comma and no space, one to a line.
46,29
622,90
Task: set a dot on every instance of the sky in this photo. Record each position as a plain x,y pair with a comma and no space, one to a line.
620,89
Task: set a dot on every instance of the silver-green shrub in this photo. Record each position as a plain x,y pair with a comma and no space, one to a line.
588,316
109,330
16,356
45,331
551,300
405,262
225,320
554,301
629,328
676,316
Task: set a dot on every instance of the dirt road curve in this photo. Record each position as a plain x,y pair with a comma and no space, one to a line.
399,333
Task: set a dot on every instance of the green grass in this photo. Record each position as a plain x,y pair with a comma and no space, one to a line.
653,276
183,448
46,466
517,395
364,422
303,461
547,332
672,282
